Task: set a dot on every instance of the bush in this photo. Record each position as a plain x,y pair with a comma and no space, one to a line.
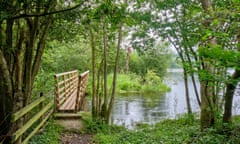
132,83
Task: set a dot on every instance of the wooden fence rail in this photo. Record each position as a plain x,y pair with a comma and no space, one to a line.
44,114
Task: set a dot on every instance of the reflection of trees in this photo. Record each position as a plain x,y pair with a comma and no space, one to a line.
126,108
153,106
151,101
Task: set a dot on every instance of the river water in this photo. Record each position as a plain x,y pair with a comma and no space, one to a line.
129,110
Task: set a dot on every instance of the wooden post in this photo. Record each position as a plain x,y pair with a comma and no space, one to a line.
78,93
56,94
41,105
64,85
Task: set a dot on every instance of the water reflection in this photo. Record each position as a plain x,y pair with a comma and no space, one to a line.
133,109
130,110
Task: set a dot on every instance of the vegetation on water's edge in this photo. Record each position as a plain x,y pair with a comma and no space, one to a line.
132,83
183,130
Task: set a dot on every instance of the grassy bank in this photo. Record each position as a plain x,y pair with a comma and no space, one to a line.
183,130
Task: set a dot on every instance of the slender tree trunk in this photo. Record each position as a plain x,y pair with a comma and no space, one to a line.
128,58
115,70
94,110
105,71
185,77
195,89
231,86
98,92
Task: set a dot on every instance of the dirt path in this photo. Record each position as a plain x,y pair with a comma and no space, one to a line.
72,135
73,138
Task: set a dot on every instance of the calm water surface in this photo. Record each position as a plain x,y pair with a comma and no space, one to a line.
131,109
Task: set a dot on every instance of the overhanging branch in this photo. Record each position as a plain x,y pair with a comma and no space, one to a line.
45,14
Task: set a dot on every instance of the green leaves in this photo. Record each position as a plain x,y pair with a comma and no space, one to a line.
227,58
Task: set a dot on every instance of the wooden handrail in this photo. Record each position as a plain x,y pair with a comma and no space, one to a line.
65,73
44,110
84,73
23,129
26,109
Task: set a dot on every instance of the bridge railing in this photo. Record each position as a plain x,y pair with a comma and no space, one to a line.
69,90
82,85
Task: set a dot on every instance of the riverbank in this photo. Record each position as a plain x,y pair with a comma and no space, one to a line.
183,130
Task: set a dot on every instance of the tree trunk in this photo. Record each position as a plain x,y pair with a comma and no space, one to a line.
185,77
206,115
128,59
115,70
94,105
231,86
6,100
105,72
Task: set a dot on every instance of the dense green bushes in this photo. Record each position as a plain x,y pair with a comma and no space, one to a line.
132,83
156,59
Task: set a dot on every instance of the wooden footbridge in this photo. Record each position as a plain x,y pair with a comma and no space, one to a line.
70,90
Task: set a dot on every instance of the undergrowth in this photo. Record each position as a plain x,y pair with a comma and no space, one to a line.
185,130
181,131
50,135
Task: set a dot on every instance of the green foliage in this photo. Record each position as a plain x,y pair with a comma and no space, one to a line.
137,64
50,135
153,83
132,83
44,82
62,56
182,130
127,83
221,57
97,126
157,59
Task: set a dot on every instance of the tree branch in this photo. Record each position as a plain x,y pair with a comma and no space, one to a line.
5,73
45,14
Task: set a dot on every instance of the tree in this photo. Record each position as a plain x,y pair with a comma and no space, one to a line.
104,24
24,26
201,32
